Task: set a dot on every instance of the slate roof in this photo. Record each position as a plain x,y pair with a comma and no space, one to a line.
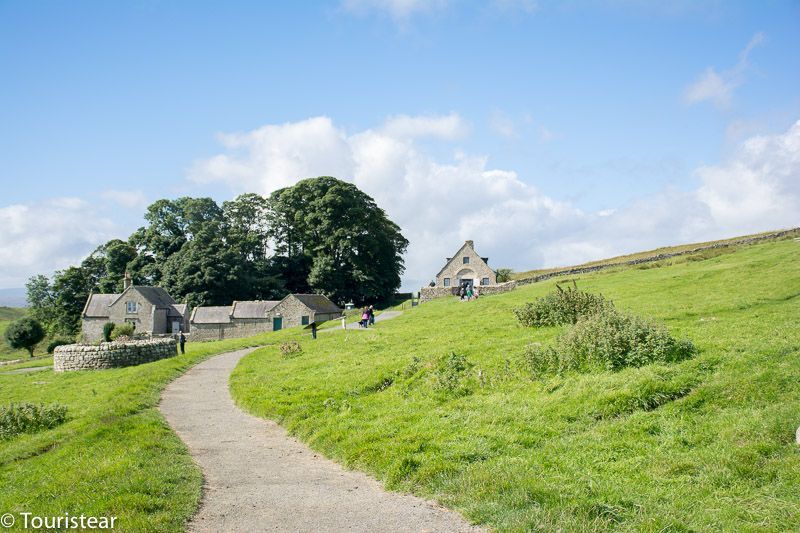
177,310
253,309
97,305
211,315
318,303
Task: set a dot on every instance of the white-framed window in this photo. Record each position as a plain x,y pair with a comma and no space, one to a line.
466,260
485,281
446,282
132,307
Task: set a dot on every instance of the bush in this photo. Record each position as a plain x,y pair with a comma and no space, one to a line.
122,330
24,333
28,418
503,274
55,343
608,340
561,307
290,349
108,328
450,371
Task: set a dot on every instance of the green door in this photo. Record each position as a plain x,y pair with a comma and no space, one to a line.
277,323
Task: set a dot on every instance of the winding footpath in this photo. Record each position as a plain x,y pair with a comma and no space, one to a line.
257,478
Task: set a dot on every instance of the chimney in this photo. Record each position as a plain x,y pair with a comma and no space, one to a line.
126,281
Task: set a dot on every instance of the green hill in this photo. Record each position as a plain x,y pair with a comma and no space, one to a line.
705,444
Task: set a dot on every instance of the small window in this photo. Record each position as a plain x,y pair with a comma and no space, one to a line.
446,282
485,281
466,260
304,320
132,307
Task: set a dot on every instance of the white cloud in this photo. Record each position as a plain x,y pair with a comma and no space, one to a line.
448,127
399,10
129,199
441,203
718,88
502,124
46,236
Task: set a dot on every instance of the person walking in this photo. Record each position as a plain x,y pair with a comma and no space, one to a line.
469,292
371,315
475,292
313,330
463,291
182,342
365,318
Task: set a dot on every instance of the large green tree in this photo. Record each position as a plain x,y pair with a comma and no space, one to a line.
350,248
25,333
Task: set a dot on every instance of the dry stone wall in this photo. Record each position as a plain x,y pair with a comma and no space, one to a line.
111,354
429,293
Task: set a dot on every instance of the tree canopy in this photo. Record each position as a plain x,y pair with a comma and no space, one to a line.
321,235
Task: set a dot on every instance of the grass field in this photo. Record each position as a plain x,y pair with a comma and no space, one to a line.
115,455
706,444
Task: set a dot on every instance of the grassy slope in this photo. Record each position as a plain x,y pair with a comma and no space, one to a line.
637,255
707,444
115,456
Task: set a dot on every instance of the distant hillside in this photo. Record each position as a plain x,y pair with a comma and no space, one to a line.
658,252
11,313
13,298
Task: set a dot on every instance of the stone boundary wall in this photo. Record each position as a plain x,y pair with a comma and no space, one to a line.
429,293
111,354
236,329
659,257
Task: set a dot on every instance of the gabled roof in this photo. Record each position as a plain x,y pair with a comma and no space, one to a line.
459,253
253,309
97,305
178,310
155,295
211,315
317,303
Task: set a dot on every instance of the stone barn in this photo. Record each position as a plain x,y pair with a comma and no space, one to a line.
466,266
151,310
302,310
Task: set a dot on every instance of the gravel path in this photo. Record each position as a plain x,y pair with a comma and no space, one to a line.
257,478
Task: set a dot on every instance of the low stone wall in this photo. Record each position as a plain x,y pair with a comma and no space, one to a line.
236,329
429,293
111,354
660,257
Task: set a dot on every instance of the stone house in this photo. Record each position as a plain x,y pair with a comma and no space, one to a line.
302,310
466,266
247,318
151,310
242,319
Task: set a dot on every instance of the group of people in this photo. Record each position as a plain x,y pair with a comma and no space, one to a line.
367,317
468,292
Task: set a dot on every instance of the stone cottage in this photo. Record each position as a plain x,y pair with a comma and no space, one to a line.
242,319
466,266
247,318
151,310
302,310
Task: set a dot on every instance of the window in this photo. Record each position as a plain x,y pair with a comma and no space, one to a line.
446,282
485,281
304,320
466,260
132,307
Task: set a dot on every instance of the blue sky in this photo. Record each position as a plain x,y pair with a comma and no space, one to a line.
581,119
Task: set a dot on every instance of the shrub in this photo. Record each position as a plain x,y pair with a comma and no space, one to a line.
561,307
290,349
24,333
450,371
608,340
122,330
55,343
108,328
28,418
503,274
